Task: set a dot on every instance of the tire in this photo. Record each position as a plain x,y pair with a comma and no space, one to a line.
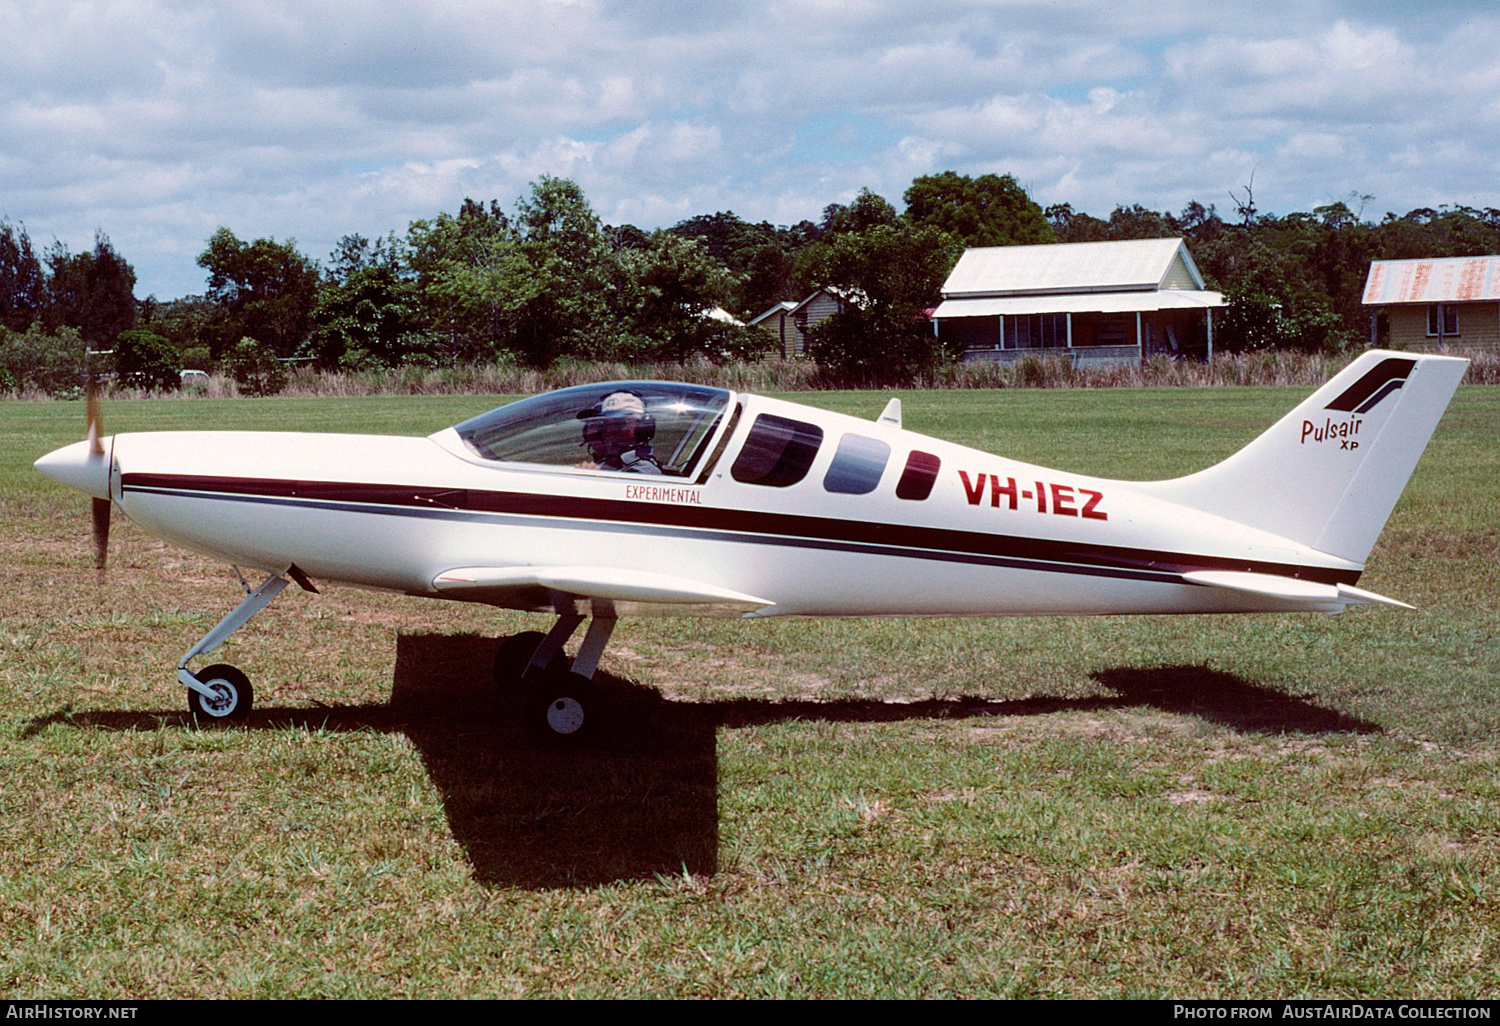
233,687
564,708
515,652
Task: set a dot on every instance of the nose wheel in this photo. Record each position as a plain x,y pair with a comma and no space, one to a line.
230,695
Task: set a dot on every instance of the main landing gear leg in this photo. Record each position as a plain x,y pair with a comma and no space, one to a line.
562,703
221,692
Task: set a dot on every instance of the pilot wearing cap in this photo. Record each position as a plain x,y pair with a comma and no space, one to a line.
618,432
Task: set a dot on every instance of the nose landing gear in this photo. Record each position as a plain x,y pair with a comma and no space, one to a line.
221,692
562,702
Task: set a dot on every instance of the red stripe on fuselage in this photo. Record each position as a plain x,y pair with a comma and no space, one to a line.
744,521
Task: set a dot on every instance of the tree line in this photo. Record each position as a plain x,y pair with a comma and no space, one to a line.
548,280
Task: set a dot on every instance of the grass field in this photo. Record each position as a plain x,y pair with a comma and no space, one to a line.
1265,806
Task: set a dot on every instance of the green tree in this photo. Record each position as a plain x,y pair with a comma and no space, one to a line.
473,281
991,210
23,287
93,292
370,318
673,285
146,360
868,210
886,275
573,273
1075,227
728,238
255,367
51,361
184,322
771,277
1137,222
263,289
815,260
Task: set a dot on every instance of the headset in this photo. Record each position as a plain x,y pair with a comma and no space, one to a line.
596,416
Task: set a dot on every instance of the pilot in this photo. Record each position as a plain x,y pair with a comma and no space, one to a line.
618,433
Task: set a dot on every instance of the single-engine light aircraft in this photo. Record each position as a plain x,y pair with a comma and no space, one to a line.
647,498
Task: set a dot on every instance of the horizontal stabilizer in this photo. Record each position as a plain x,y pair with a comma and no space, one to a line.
1290,589
602,591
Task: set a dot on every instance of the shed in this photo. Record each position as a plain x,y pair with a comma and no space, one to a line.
1092,302
791,321
1443,303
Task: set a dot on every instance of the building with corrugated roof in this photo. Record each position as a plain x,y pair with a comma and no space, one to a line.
1443,303
1092,302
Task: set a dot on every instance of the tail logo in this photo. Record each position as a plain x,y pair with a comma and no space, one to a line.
1343,432
1373,386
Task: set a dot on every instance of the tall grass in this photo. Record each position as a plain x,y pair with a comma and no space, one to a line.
1032,371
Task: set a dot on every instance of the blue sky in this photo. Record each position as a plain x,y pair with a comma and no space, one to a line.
159,120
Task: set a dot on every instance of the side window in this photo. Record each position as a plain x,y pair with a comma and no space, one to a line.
919,476
778,452
857,466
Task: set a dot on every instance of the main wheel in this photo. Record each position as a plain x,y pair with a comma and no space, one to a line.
233,695
563,707
514,654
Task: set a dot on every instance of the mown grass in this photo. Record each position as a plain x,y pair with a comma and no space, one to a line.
1269,806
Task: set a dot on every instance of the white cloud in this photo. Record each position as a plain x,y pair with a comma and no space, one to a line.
159,119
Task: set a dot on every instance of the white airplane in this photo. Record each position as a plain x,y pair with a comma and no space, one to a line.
651,498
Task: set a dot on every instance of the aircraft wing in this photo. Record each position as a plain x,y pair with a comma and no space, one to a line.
592,591
1310,594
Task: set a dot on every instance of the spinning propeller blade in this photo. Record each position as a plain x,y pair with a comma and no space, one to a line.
95,421
101,532
96,451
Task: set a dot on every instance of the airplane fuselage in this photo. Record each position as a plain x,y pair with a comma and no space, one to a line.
986,536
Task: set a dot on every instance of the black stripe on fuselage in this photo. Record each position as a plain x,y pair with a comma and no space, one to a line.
787,529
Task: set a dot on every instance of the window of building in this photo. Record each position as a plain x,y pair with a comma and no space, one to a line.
919,476
778,452
1036,331
1449,314
1114,330
857,465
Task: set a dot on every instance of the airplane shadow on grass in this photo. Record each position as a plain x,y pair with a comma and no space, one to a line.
641,800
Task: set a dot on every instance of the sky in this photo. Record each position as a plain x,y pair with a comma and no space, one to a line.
156,121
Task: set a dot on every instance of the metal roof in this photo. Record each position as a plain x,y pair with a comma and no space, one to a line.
1095,302
785,306
1473,279
1134,265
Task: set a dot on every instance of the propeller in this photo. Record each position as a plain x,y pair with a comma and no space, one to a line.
96,451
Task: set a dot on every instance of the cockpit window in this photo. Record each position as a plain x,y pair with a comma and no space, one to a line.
778,452
640,427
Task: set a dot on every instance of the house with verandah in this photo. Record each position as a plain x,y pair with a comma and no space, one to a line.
1090,302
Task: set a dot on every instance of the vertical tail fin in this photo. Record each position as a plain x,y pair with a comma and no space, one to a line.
1329,473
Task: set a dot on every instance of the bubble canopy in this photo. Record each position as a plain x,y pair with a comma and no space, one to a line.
678,420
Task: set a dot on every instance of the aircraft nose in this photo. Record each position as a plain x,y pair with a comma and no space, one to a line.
75,466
